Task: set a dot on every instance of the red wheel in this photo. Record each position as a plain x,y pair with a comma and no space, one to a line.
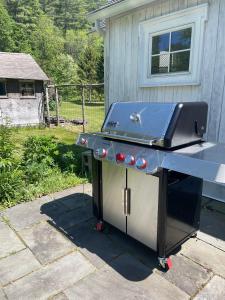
100,226
169,263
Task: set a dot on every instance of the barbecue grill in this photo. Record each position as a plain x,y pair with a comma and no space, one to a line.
149,163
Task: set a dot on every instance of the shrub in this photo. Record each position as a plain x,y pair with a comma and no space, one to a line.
40,150
6,142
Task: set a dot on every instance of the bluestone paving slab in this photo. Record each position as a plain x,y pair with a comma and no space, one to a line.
216,206
187,275
130,245
17,265
212,229
51,279
109,283
76,200
26,215
2,295
60,296
214,290
80,189
93,244
46,242
206,255
74,217
9,242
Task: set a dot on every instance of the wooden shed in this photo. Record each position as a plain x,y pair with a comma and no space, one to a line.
21,89
167,51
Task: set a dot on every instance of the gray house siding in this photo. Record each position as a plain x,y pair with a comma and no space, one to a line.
121,66
21,110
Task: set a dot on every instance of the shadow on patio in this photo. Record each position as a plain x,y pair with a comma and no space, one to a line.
72,215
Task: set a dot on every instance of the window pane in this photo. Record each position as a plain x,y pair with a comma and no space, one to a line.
179,62
2,88
160,64
181,39
160,43
27,88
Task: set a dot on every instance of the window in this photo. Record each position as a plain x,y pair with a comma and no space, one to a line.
171,52
2,88
27,88
170,48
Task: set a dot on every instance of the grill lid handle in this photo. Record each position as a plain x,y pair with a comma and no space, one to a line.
135,117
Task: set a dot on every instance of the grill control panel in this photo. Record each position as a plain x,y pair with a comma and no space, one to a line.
131,156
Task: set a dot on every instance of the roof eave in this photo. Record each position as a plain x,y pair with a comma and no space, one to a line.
116,9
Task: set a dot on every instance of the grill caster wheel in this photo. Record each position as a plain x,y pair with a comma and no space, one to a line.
165,263
100,226
194,235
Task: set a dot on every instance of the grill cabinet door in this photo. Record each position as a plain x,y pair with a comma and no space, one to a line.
143,219
113,185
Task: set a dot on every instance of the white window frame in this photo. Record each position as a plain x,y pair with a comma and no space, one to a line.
194,17
29,81
6,94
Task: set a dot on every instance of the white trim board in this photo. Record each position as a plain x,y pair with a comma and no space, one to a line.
116,9
194,17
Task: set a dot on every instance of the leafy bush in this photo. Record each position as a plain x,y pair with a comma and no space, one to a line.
6,142
39,170
40,150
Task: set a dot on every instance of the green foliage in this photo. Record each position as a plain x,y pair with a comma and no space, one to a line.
36,172
6,30
40,150
6,142
64,67
56,33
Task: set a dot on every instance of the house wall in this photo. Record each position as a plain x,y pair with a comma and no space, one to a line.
20,110
121,66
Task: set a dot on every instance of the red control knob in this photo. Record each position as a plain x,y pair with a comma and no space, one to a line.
83,141
130,160
120,157
141,163
101,152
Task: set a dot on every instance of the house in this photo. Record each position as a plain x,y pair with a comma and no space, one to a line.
167,51
21,89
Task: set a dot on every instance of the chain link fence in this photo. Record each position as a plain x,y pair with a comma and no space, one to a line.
77,106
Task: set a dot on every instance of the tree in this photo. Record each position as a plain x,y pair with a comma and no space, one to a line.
25,14
6,30
46,42
89,60
64,69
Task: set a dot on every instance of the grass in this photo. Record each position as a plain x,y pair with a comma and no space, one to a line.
67,134
94,114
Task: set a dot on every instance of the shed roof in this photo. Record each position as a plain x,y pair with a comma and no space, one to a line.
20,66
115,7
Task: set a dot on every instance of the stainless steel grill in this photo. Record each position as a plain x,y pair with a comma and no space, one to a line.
149,162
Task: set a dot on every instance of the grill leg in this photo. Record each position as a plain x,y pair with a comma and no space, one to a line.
165,263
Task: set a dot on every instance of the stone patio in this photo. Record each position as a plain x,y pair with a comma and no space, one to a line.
49,249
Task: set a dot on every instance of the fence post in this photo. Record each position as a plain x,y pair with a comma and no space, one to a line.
83,106
47,106
57,106
90,93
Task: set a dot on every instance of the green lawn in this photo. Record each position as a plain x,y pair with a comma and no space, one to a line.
94,114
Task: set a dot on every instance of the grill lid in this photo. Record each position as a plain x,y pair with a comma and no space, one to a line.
162,124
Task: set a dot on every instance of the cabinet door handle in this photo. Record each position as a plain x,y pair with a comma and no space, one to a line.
127,202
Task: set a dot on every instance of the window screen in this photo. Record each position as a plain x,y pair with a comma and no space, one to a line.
2,88
171,52
27,88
